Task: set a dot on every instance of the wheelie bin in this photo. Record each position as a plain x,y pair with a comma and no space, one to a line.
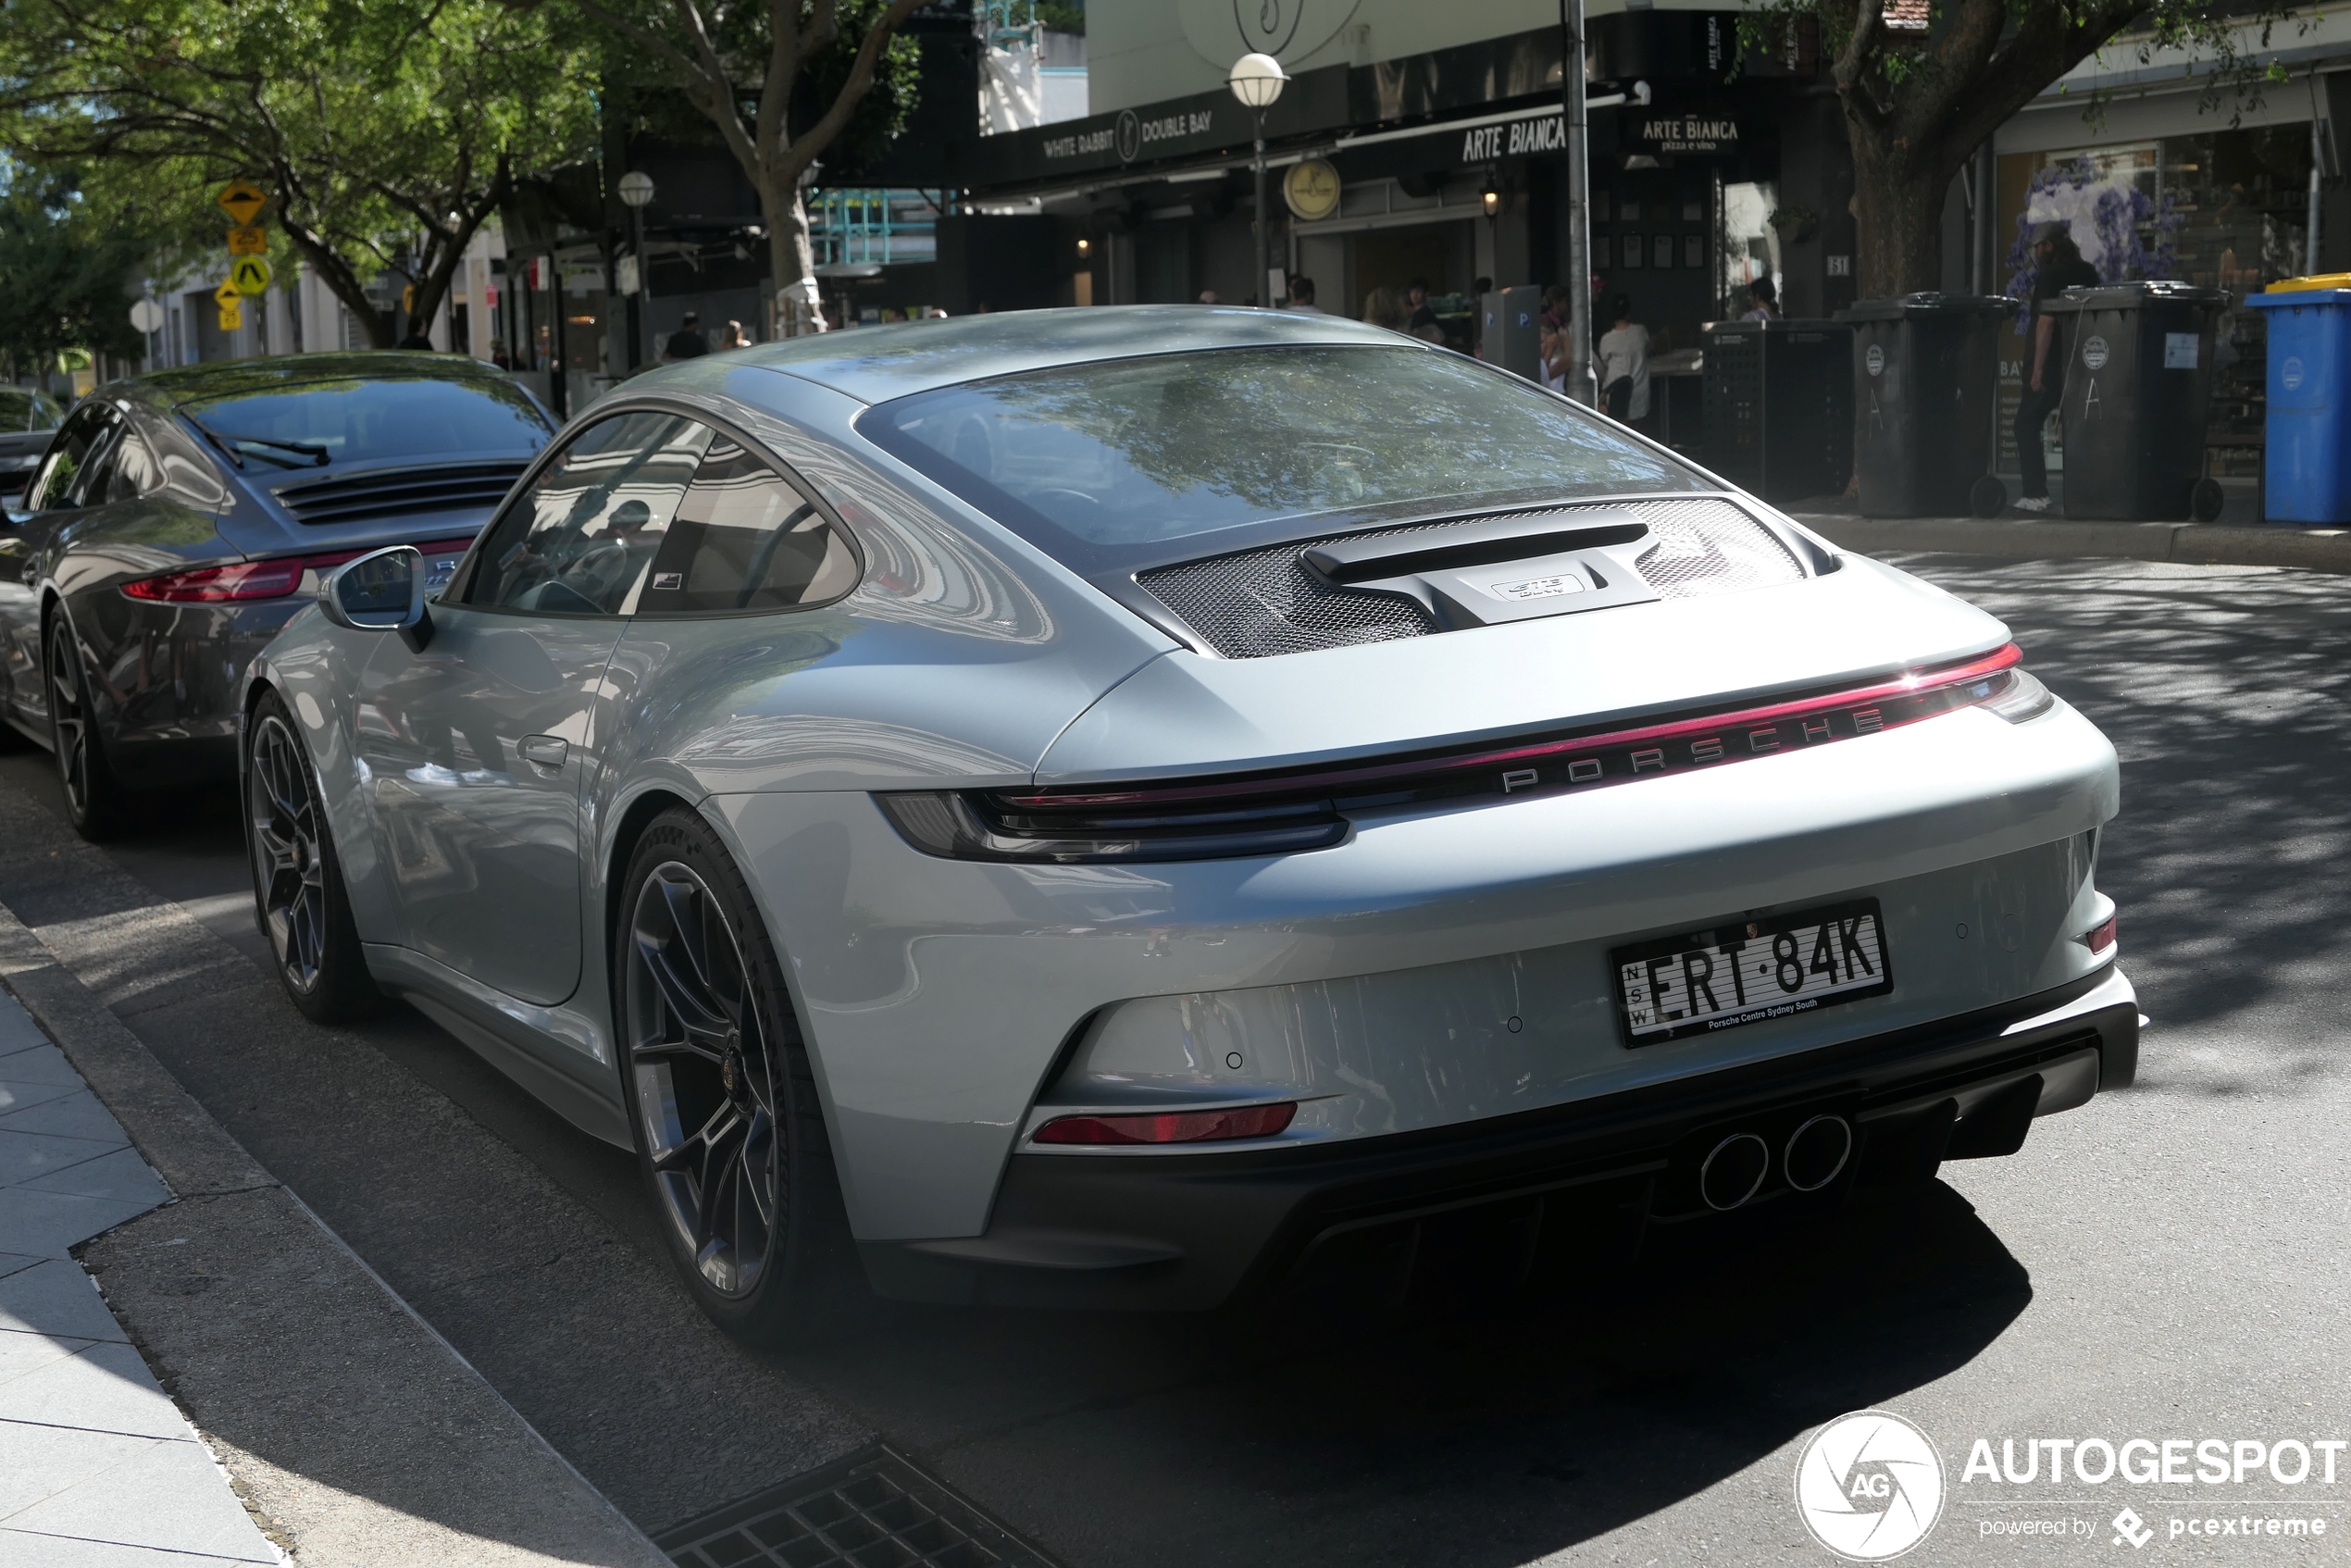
2136,394
2306,454
1779,408
1927,399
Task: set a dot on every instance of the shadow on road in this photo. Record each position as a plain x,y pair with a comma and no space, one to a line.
1486,1437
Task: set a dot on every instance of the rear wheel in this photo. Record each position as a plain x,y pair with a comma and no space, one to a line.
718,1089
297,884
93,796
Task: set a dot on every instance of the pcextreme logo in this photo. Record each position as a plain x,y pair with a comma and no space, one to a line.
1869,1486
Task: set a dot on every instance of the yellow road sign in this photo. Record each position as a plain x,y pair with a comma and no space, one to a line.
231,317
242,200
250,276
247,239
228,297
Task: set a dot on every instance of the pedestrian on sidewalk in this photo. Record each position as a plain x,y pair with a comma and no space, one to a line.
1766,296
687,342
1625,364
2058,266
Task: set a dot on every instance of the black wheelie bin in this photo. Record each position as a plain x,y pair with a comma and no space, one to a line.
1925,401
2136,393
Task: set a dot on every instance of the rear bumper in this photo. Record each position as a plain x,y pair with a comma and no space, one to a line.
1195,1231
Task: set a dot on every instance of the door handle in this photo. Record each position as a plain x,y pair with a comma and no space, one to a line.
543,750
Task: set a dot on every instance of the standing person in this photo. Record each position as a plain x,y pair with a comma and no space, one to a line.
2057,267
687,341
419,338
1421,317
1384,307
1208,296
1625,364
732,337
1766,298
1301,295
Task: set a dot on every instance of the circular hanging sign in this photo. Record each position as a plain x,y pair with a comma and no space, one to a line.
2094,351
1875,360
1311,189
1223,30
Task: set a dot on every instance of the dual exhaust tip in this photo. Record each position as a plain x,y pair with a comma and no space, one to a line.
1811,1159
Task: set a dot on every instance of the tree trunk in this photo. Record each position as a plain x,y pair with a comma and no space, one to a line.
1898,213
340,280
789,254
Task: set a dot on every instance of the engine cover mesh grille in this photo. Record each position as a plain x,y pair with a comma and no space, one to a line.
1258,603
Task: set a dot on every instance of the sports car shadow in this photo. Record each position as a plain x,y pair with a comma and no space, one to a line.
1488,1435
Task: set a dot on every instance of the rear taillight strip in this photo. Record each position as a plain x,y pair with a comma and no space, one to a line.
1673,746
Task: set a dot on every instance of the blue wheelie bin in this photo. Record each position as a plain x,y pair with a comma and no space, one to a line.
2306,460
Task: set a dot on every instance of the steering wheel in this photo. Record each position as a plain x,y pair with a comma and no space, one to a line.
1064,494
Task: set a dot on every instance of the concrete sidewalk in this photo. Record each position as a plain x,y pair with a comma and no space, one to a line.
2019,536
353,1429
97,1465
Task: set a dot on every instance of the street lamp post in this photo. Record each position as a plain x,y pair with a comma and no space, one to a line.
1581,384
1257,80
635,190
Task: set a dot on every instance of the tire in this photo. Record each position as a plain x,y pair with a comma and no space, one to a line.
2204,500
298,894
93,796
720,1098
1989,497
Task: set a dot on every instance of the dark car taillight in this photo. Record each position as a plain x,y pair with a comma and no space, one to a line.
981,826
1171,1126
274,576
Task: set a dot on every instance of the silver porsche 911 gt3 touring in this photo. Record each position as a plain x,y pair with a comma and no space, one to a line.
1140,807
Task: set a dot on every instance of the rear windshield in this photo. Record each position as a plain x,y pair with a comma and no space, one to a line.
314,423
1120,464
21,409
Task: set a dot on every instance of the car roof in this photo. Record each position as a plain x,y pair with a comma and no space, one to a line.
877,364
184,384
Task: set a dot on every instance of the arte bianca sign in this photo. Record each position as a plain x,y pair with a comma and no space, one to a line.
1688,134
1516,138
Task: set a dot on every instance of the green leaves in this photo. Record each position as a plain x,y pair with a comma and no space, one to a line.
381,129
66,268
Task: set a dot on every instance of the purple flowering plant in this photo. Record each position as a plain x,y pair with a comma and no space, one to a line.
2119,220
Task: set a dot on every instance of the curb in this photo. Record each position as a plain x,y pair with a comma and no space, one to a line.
277,1339
2308,549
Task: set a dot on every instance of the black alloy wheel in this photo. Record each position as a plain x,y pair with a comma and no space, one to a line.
720,1095
298,894
94,798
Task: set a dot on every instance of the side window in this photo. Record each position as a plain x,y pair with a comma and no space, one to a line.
134,470
578,538
68,454
744,539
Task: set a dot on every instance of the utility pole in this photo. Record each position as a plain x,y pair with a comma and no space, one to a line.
1581,386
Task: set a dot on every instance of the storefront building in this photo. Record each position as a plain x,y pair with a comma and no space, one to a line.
2154,181
1432,142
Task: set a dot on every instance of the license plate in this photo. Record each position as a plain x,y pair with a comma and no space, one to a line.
1744,972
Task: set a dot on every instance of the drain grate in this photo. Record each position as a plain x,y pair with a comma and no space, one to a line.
872,1509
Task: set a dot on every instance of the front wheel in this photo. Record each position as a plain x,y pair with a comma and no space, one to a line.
297,884
718,1089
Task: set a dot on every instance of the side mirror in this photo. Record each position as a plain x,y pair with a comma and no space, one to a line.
383,591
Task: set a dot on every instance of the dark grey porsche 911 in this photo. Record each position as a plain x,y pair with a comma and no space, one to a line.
178,519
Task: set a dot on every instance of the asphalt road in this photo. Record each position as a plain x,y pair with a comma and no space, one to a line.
2168,1264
